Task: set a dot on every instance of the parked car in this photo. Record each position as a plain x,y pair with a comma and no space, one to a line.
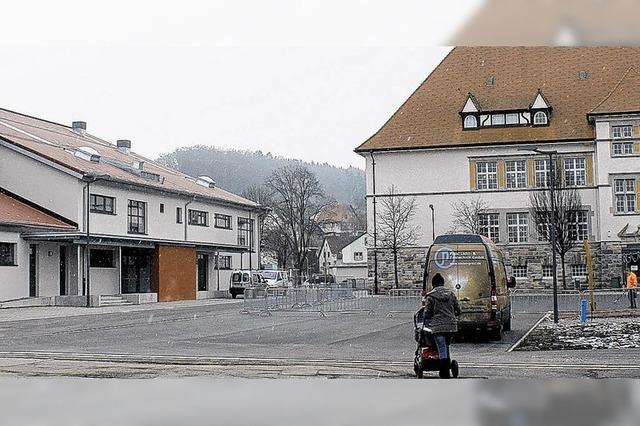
473,267
243,279
350,282
275,278
322,279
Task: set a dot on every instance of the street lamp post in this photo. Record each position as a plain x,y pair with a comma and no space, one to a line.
554,265
433,223
89,179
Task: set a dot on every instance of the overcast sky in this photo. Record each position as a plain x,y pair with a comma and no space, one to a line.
302,79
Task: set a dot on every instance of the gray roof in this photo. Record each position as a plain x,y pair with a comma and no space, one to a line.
61,145
340,241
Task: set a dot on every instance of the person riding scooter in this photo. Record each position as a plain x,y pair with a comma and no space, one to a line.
441,310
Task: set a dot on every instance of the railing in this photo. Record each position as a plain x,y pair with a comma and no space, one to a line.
528,301
401,301
318,299
329,299
405,302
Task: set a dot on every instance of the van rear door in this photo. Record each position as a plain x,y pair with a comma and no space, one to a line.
466,271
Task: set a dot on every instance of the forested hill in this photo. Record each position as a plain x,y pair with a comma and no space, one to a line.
235,170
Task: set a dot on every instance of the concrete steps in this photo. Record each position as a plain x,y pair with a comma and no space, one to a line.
106,300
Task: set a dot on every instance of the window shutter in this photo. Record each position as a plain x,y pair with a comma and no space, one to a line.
501,175
531,173
473,181
636,131
636,147
589,163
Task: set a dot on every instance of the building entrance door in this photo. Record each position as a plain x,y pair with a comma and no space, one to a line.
63,270
136,270
203,272
33,270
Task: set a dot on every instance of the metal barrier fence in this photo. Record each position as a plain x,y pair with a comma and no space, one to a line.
319,299
568,301
401,301
353,282
330,299
405,302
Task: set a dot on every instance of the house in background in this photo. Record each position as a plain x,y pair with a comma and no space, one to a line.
344,256
339,218
154,233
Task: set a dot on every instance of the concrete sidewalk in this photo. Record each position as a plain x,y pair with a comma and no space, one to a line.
44,312
567,364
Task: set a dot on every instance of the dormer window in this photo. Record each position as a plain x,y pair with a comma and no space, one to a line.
497,119
540,110
537,114
513,118
540,118
470,122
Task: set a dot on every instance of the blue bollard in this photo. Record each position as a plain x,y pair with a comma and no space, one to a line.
583,310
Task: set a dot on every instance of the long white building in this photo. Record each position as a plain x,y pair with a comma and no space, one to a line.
154,233
465,135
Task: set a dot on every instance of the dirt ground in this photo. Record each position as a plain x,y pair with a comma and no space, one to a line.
610,330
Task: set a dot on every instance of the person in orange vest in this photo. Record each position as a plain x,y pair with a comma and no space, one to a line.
632,285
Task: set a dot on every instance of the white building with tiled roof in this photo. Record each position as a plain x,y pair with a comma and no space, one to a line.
154,233
344,256
466,133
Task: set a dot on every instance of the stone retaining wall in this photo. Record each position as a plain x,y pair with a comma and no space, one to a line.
607,258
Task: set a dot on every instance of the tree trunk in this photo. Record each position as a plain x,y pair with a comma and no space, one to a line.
299,266
395,266
564,274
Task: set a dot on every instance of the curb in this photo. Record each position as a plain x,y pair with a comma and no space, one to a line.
522,339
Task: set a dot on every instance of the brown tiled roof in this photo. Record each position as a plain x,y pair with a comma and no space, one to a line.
15,212
625,97
430,117
58,143
335,212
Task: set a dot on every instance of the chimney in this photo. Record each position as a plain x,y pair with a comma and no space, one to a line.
124,146
80,127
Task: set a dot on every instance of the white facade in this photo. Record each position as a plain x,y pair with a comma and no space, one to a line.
613,166
442,177
349,261
14,279
59,189
445,176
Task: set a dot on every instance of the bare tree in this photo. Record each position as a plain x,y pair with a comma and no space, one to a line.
567,205
275,241
395,229
258,193
271,239
297,198
466,215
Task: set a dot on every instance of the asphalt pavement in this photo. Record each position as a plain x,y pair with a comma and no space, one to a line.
216,339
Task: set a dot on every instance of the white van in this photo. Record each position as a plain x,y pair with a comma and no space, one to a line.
240,280
275,278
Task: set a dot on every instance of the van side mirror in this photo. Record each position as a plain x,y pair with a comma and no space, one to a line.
512,282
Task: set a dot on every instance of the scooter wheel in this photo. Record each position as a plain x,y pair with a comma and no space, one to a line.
455,369
418,371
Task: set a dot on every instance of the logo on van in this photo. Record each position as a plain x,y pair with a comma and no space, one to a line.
445,258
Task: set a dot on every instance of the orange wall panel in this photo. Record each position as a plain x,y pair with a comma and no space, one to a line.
175,273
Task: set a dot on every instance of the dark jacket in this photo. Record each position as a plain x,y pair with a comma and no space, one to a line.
441,310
